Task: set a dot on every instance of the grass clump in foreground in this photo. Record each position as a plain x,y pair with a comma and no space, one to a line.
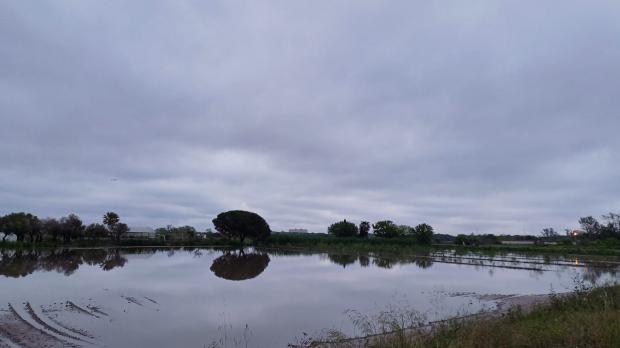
586,318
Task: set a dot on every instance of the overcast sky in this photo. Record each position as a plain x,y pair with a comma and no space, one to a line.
473,116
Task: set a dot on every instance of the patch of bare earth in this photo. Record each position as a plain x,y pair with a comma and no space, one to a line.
23,333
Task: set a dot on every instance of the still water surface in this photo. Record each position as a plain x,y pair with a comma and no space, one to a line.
201,297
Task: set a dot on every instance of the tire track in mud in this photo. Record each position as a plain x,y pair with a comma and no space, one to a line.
96,309
133,300
151,300
47,326
25,334
68,328
79,309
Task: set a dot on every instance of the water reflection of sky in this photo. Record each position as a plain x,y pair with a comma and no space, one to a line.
287,294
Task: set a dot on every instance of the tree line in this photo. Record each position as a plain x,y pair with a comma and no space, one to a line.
591,229
28,227
235,224
422,233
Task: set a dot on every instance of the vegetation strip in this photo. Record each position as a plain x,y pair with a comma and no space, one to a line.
584,318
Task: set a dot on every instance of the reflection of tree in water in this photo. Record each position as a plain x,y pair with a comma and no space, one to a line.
422,261
239,265
592,273
17,264
20,263
364,260
383,262
342,259
113,260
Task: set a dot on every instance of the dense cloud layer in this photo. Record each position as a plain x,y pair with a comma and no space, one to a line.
473,116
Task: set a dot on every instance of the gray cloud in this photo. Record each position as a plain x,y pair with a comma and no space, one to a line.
482,116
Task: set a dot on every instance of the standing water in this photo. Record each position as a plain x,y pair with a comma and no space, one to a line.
202,297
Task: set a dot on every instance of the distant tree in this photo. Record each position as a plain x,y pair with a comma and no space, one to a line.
364,229
96,231
242,224
51,228
591,226
549,233
613,220
71,227
343,228
177,233
20,224
34,229
386,229
3,230
423,233
119,230
110,219
463,239
612,228
186,232
487,239
406,230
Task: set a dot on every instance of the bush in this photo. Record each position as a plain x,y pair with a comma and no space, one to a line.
343,229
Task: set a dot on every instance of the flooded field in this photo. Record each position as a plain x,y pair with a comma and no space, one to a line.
201,297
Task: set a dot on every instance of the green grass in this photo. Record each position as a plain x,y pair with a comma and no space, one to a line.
88,243
583,319
325,242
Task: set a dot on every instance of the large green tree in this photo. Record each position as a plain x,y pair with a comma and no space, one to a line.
386,229
343,228
241,224
423,233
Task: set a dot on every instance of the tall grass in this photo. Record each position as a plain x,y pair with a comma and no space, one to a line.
586,318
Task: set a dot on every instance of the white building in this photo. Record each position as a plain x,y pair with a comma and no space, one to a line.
9,238
140,232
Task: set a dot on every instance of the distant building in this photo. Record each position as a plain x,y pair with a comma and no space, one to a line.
140,232
298,230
